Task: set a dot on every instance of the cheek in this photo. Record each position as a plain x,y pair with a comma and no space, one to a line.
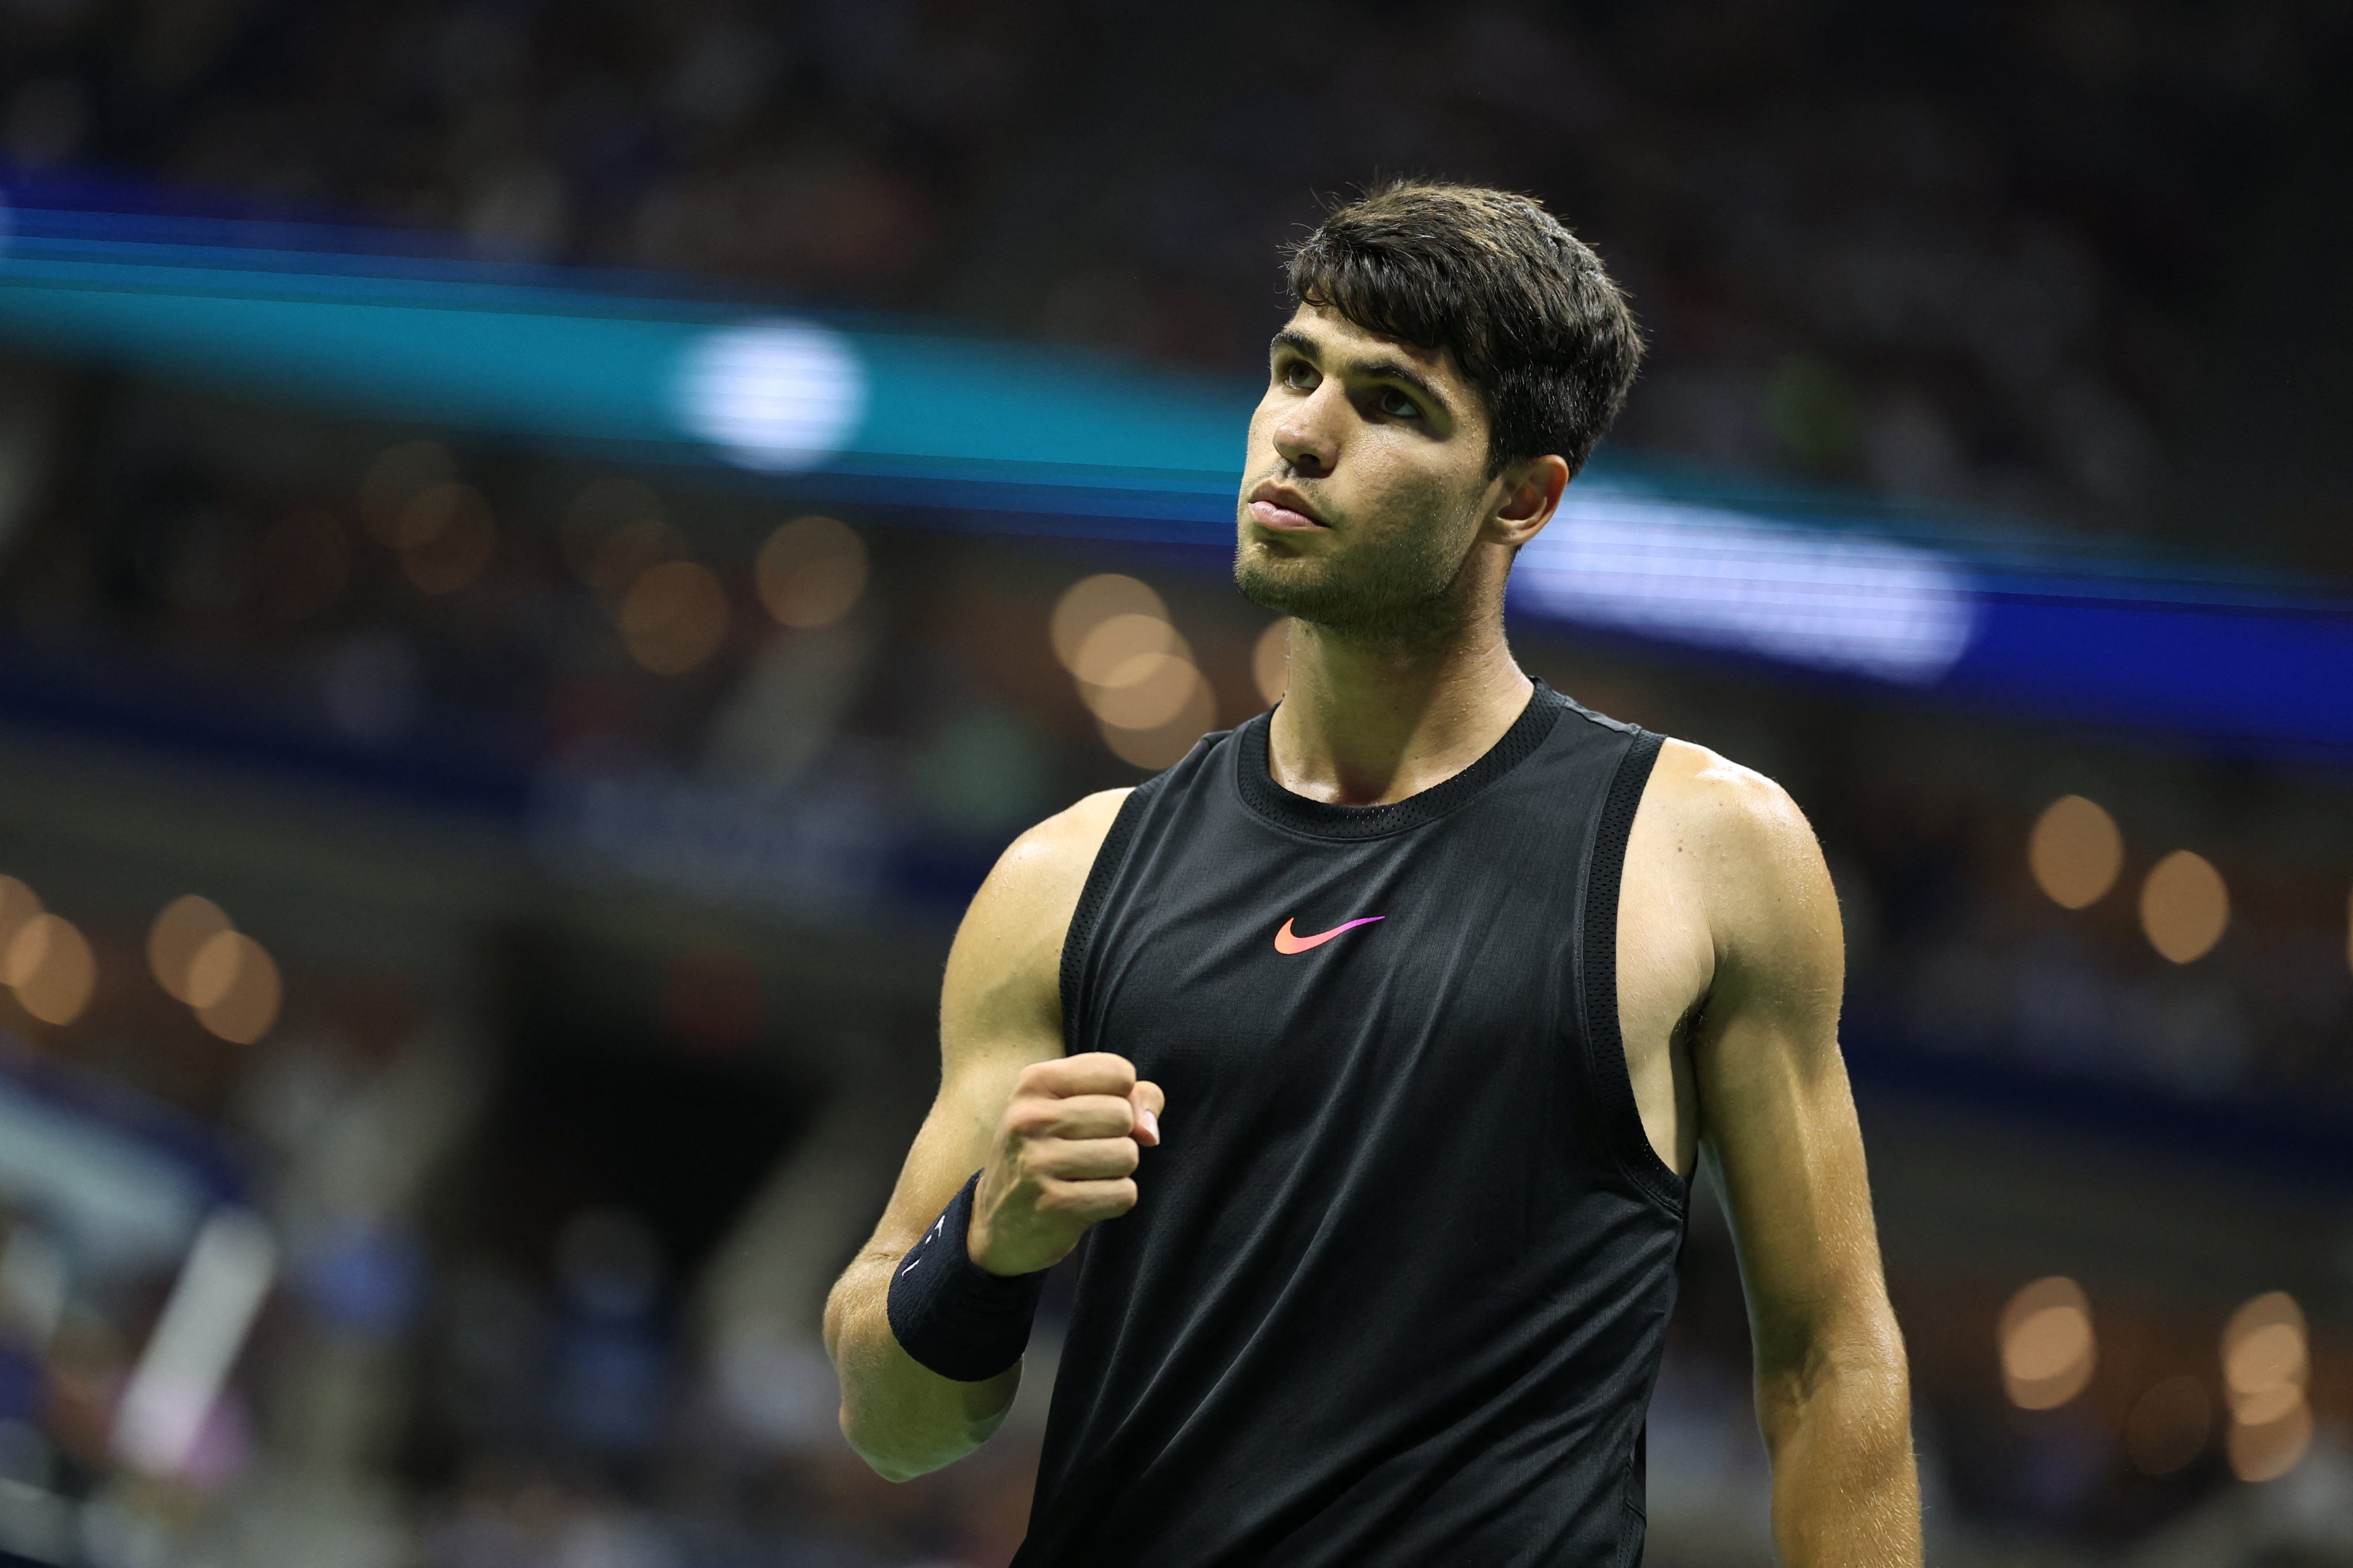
1259,438
1409,490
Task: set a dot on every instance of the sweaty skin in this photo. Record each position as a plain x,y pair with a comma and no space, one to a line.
1375,512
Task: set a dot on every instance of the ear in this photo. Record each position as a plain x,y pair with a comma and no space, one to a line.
1532,493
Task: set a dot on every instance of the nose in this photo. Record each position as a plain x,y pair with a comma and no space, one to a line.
1304,437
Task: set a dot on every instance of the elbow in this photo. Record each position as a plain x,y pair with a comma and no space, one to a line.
1861,1372
890,1466
883,1444
891,1455
902,1419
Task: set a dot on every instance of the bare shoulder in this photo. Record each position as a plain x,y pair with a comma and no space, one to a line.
1048,865
1720,802
1003,973
1758,865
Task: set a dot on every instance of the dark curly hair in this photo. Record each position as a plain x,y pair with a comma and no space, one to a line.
1523,305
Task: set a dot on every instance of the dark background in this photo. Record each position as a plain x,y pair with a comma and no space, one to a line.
561,1138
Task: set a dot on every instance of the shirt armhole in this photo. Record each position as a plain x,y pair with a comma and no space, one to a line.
1109,857
1612,1080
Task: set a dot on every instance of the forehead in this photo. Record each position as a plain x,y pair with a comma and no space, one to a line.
1341,343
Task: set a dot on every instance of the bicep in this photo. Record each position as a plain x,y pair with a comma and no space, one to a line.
1000,1008
1777,1115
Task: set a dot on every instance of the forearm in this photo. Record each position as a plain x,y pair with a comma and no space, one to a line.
904,1419
1839,1427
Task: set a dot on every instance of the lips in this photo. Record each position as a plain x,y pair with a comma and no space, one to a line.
1273,506
1267,514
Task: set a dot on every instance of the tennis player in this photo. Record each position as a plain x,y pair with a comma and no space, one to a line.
1366,1054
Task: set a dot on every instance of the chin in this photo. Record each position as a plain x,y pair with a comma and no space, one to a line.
1274,581
1395,609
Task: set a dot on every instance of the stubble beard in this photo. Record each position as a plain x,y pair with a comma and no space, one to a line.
1405,593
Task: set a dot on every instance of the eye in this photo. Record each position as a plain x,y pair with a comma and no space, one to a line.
1396,405
1297,374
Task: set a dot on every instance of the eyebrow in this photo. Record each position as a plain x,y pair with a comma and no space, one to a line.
1383,369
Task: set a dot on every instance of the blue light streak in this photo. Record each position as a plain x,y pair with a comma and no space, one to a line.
1027,440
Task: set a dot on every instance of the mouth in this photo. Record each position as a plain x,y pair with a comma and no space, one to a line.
1282,509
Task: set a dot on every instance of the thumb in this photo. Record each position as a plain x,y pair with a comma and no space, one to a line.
1148,1101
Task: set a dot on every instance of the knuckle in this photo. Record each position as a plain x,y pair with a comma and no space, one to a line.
1107,1067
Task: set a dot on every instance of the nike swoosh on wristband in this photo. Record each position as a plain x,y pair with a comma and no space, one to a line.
937,1225
1286,942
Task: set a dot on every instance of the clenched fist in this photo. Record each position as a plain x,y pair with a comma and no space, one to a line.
1064,1157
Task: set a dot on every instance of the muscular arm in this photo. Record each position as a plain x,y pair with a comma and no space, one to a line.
1778,1121
1000,1011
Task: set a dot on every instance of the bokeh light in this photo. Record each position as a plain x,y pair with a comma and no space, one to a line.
1164,744
2267,1450
629,551
234,987
2075,851
441,619
1150,692
1125,649
18,903
673,618
1137,675
2184,907
2169,1425
177,935
811,572
2266,1358
2048,1348
1089,601
399,474
1271,660
446,536
52,968
602,509
1134,671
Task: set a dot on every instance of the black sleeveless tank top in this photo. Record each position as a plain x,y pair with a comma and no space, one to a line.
1395,1284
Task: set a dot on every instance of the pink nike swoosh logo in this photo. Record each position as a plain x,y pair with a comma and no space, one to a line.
1286,942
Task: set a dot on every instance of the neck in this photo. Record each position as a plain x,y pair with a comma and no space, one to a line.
1365,722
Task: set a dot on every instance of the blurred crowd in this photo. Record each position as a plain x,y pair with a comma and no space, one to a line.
1955,951
1974,257
888,705
545,1396
744,705
1989,257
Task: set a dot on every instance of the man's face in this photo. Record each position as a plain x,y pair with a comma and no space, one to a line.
1365,484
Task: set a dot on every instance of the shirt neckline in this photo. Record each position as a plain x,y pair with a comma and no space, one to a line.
1323,819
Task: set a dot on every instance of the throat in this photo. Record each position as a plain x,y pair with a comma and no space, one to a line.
1360,726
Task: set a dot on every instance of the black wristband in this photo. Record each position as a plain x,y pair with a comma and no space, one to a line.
951,1314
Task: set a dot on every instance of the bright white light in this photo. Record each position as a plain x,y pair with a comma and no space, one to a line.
776,395
220,1290
1697,575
